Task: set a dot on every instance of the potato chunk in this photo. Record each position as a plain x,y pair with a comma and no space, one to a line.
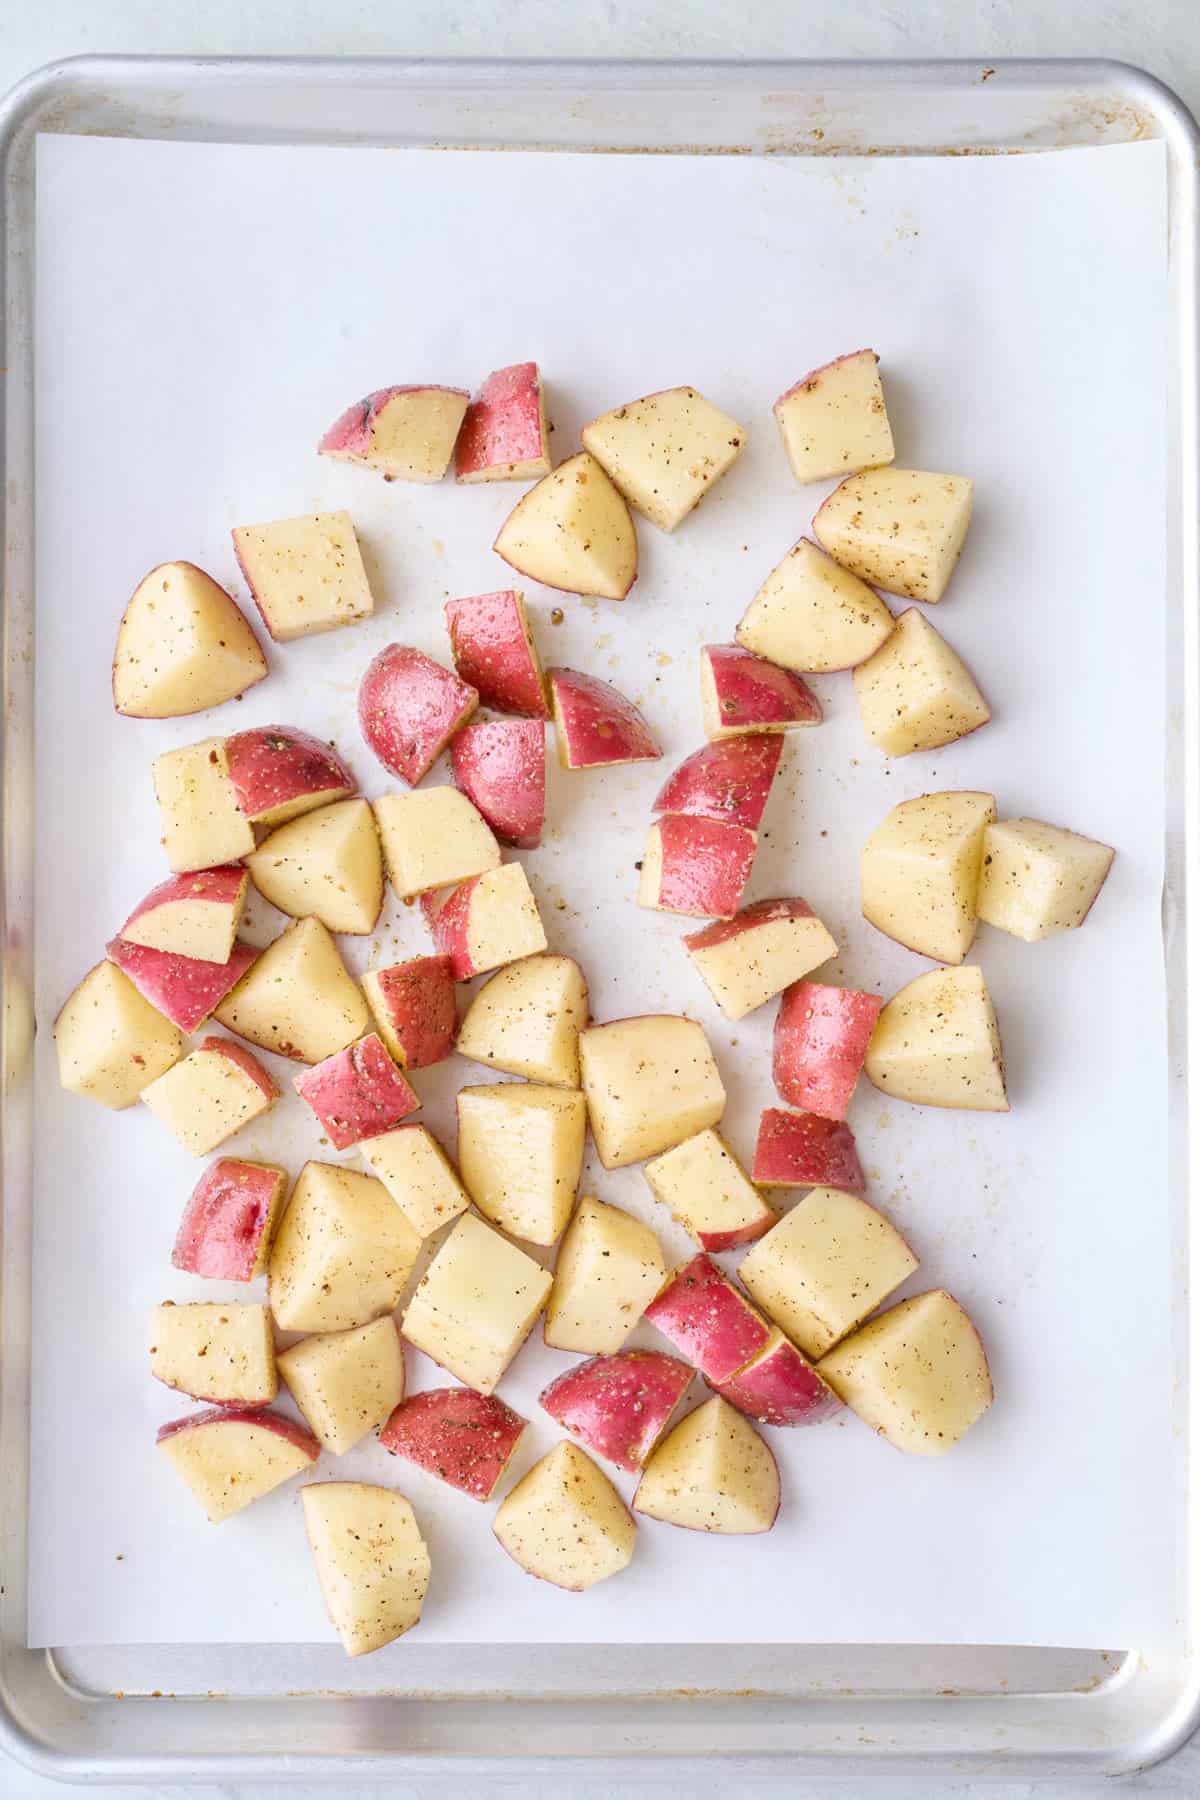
371,1561
566,1523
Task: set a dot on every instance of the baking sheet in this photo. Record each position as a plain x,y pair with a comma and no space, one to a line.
203,311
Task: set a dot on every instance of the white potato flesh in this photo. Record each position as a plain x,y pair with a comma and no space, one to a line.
665,451
917,1375
937,1043
502,923
827,1264
433,838
709,1193
520,1154
744,969
610,1266
526,1020
1038,879
371,1561
182,646
202,825
713,1472
920,872
230,1463
411,435
205,1099
346,1382
835,420
110,1042
325,865
418,1175
650,1082
299,998
306,574
476,1304
916,693
813,616
901,529
573,531
215,1351
343,1252
566,1523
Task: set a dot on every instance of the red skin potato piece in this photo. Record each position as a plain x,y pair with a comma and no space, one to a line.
419,995
780,1387
221,1232
619,1405
599,724
466,1439
500,764
245,1060
272,765
409,707
820,1043
357,1092
351,431
492,654
754,692
716,1241
279,1423
503,423
223,887
824,369
759,912
804,1150
449,920
705,866
705,1316
729,781
184,989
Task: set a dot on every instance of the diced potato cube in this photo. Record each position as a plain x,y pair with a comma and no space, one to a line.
202,824
709,1193
418,1175
526,1020
920,872
306,574
432,838
610,1266
520,1151
1037,879
371,1561
111,1043
476,1304
566,1523
917,1375
665,451
298,999
343,1252
214,1350
211,1094
346,1382
834,421
916,693
650,1082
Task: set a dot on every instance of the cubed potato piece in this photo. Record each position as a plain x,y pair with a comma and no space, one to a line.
231,1456
299,998
566,1523
186,991
371,1561
916,693
526,1020
466,1439
824,1266
834,419
112,1044
595,726
729,781
183,645
712,1473
920,872
811,615
703,1185
665,451
798,1149
409,707
194,915
433,838
215,1351
780,1387
415,1009
741,692
211,1094
650,1082
418,1175
406,433
278,773
343,1252
324,866
695,867
917,1375
820,1044
520,1154
306,575
1037,879
500,764
357,1093
902,529
505,436
476,1304
228,1223
937,1043
709,1320
346,1382
745,961
619,1406
610,1266
493,649
202,824
489,920
573,531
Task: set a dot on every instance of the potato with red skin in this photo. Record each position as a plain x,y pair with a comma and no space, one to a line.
779,1386
746,960
504,435
407,433
707,1191
489,920
741,692
709,1319
279,772
500,764
466,1439
230,1456
696,867
799,1149
595,725
194,915
820,1045
834,420
357,1092
414,1007
184,990
494,652
619,1406
211,1094
227,1225
409,707
729,781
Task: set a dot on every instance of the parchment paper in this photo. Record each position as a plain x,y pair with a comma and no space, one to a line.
204,312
